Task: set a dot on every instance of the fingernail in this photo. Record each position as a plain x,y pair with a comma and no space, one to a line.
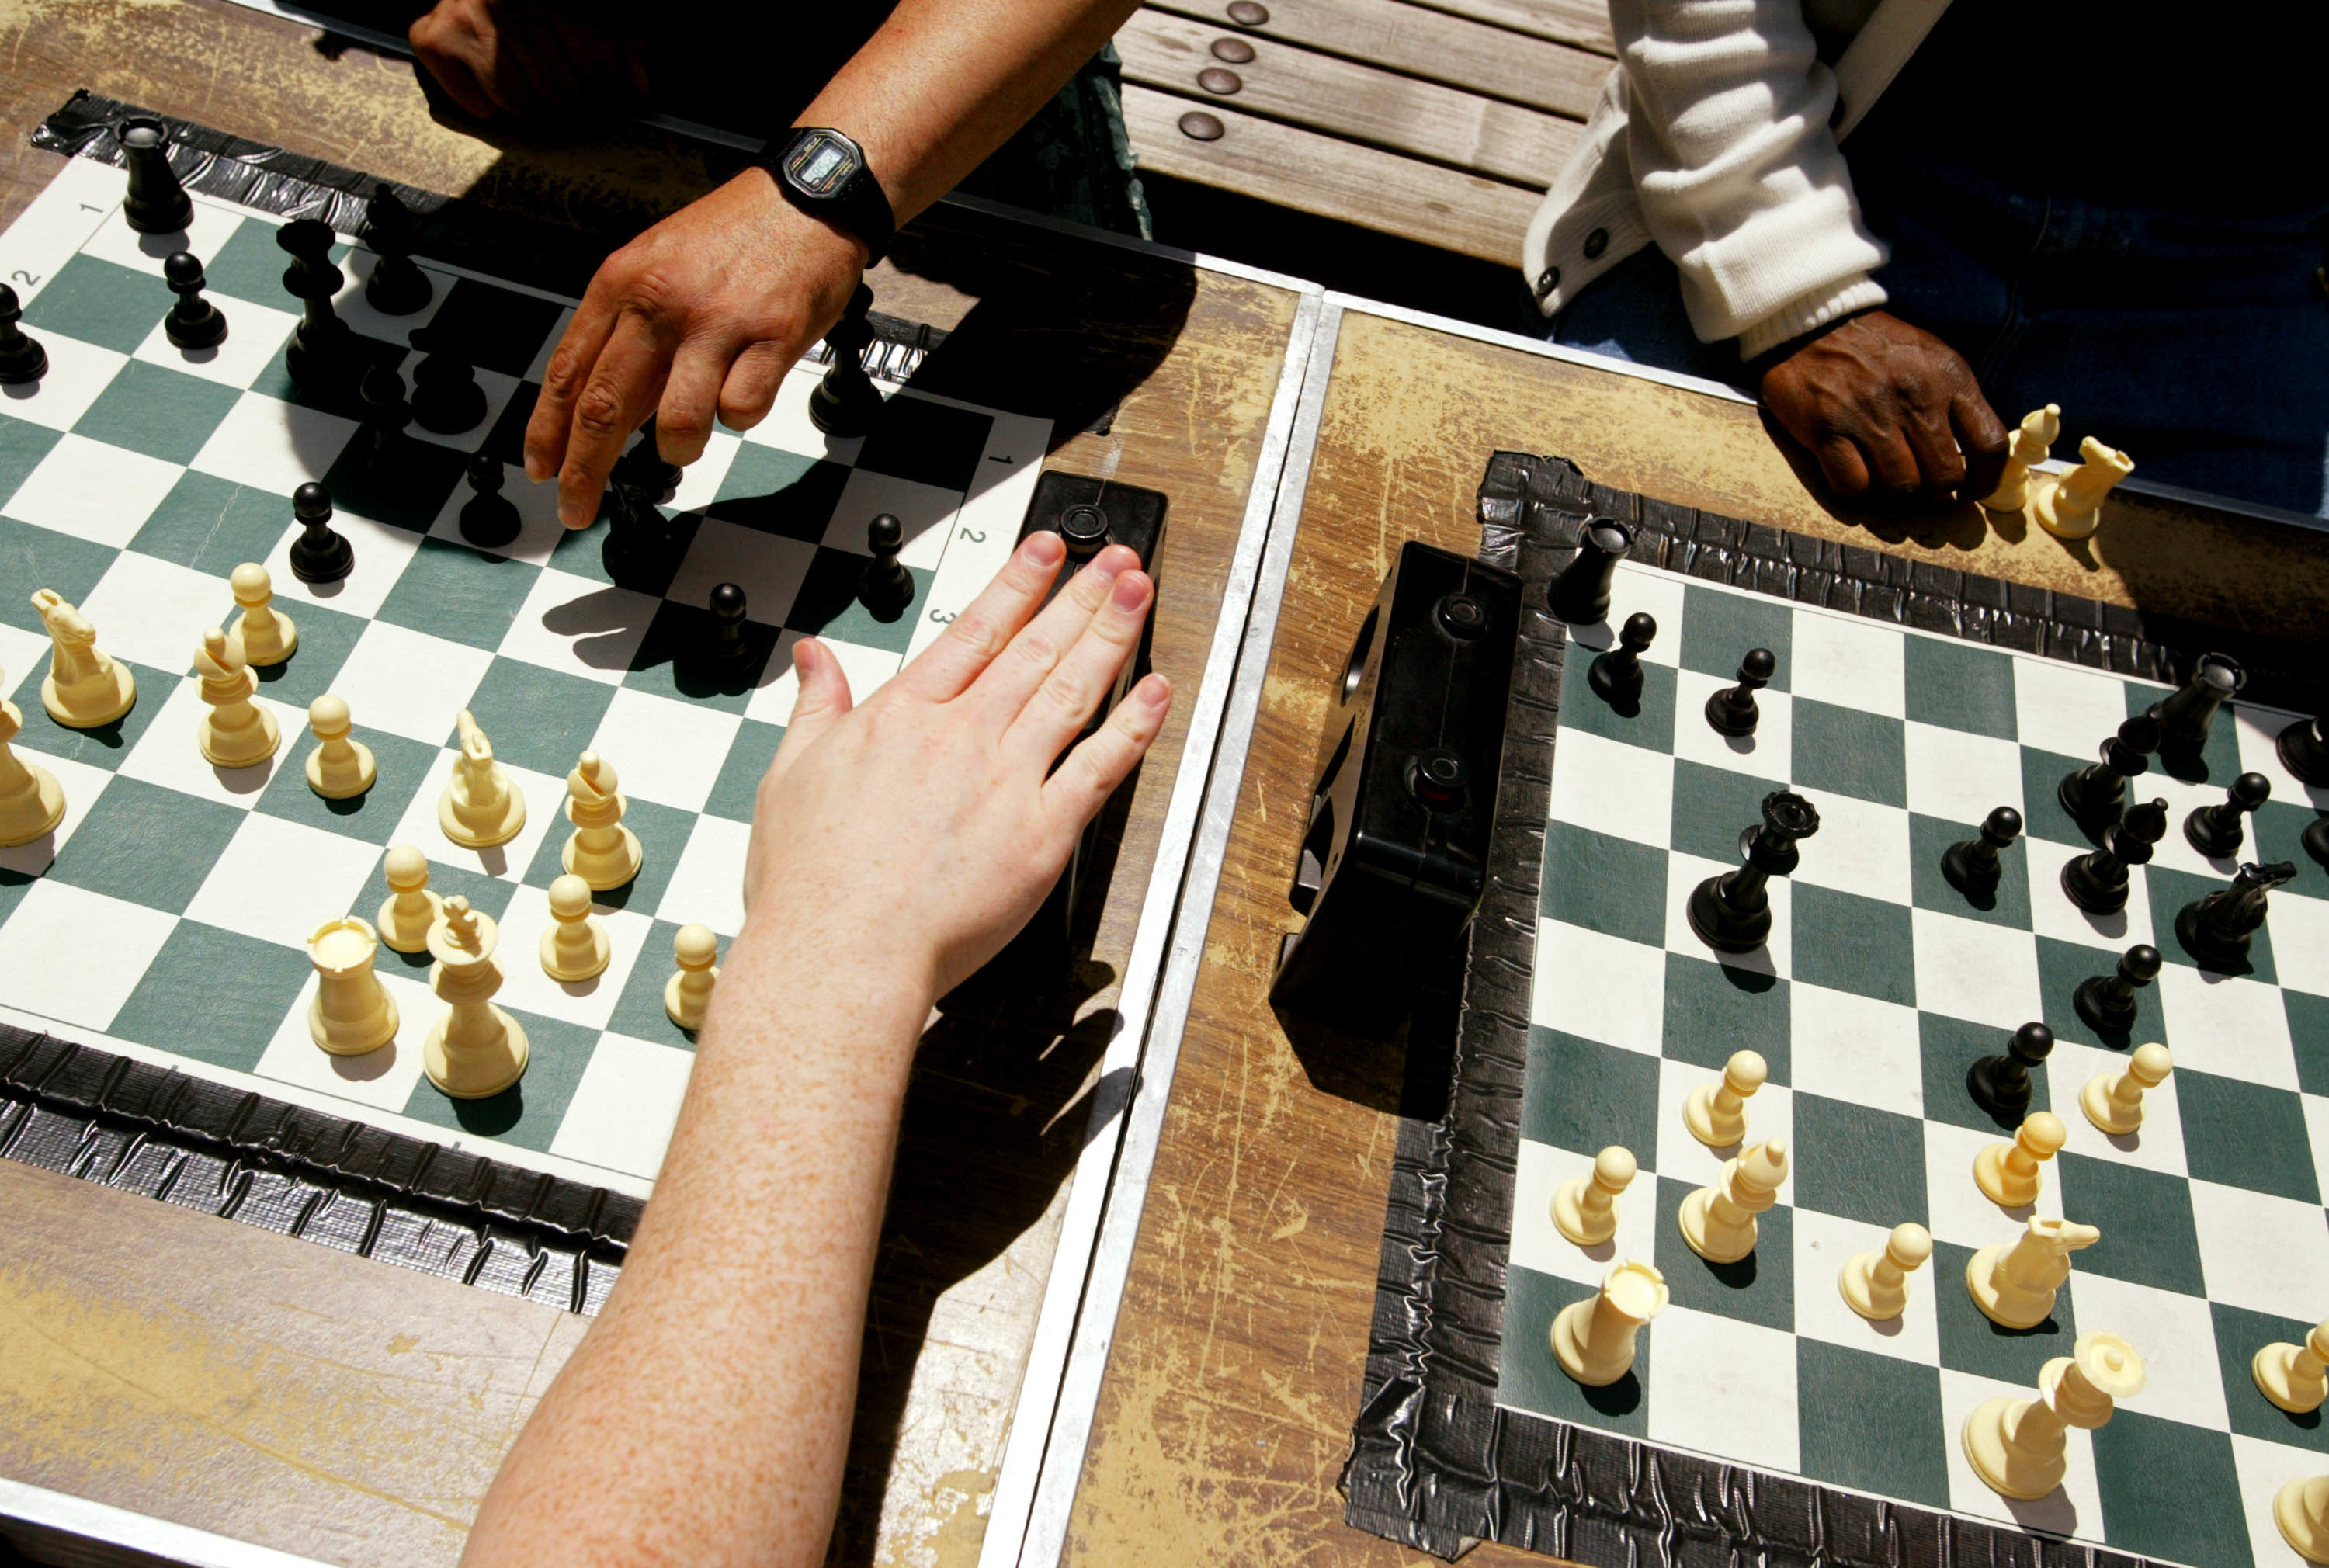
1131,590
1043,548
1153,689
803,656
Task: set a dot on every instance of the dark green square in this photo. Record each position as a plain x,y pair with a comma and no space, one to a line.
2245,1135
214,995
2149,1236
214,525
933,443
161,412
1711,807
99,301
638,1012
1858,1162
2239,1335
147,845
1760,1288
108,745
527,1112
461,595
670,660
827,605
488,895
1870,1422
2216,761
22,444
2275,831
542,719
250,266
498,329
1864,755
326,638
2308,1030
406,488
2062,968
779,492
1715,1008
372,816
2006,905
275,382
2042,816
2195,1517
1718,629
1649,724
1959,686
1971,1343
1605,884
663,833
736,791
1848,942
1948,1046
1582,1096
1530,1378
2170,890
38,557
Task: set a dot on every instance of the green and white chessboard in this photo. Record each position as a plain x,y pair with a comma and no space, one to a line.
166,918
1879,986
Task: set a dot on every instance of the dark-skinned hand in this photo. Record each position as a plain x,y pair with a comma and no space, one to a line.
1887,406
507,58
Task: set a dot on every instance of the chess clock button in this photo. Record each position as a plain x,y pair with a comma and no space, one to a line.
1084,527
1596,243
1463,616
1437,778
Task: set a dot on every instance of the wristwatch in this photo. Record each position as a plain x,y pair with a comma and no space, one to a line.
823,173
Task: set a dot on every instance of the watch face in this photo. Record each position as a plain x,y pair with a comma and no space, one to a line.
821,162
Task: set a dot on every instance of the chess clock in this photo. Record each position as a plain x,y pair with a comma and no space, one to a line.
1395,853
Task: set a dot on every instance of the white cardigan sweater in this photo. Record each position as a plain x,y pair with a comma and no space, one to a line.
1716,137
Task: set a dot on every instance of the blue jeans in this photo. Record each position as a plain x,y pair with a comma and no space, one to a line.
2199,343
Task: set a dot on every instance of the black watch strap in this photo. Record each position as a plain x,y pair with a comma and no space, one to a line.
823,173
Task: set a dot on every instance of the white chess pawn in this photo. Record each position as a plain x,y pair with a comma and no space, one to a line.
2040,429
1585,1210
236,732
2019,1448
2072,507
480,806
687,995
1594,1339
1876,1284
2008,1173
264,633
2295,1377
2015,1283
475,1050
32,802
411,910
1716,1113
576,947
2300,1510
2112,1101
84,689
600,850
353,1013
339,768
1719,1221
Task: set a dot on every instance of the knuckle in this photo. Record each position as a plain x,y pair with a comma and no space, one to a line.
599,410
684,426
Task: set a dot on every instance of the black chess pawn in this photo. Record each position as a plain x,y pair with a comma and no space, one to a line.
2097,882
2184,717
2001,1084
320,554
23,360
2217,832
381,395
322,352
157,203
645,468
2303,748
396,286
1732,912
2107,1001
2096,794
194,322
1615,676
886,586
844,402
1579,595
446,397
1731,711
730,652
1971,865
2315,840
489,519
2216,928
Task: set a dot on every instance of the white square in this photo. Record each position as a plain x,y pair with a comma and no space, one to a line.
2258,732
2225,1025
1768,753
154,612
2176,1335
1683,874
1537,1242
580,628
381,1079
622,1112
170,752
498,389
2300,942
1848,660
1659,595
2066,708
1856,1049
254,333
1825,1242
81,783
789,427
1973,969
1960,777
92,491
1770,1114
867,670
78,374
1624,791
699,482
2264,1468
1723,1388
380,555
539,530
2073,1508
925,514
410,683
75,956
1860,848
205,234
2269,1254
1598,988
273,445
356,270
1958,1211
707,886
2156,1145
768,568
21,652
545,800
589,1002
666,751
62,214
278,880
2051,913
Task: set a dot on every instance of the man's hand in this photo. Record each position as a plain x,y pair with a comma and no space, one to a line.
1882,404
518,57
703,313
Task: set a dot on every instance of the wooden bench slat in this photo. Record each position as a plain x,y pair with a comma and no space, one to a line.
1454,51
1583,23
1396,113
1311,172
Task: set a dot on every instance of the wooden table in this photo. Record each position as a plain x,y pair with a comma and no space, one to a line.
353,1411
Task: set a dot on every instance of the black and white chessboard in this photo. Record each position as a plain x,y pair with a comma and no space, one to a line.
166,918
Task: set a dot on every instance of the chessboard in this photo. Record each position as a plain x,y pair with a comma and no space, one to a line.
167,917
1761,1413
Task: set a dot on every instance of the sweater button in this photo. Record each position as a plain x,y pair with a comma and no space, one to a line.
1596,243
1547,281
